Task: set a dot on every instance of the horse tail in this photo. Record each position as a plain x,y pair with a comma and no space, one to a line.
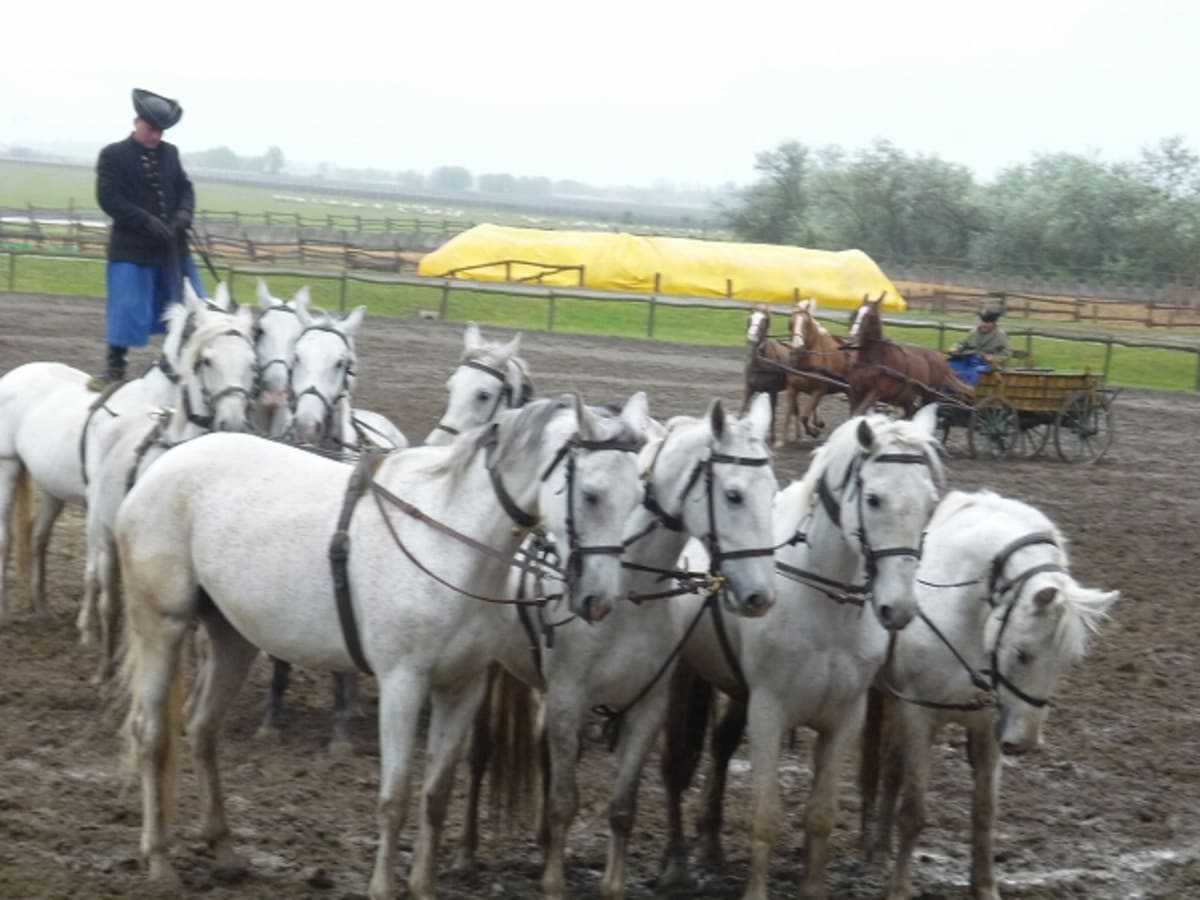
514,746
21,521
958,388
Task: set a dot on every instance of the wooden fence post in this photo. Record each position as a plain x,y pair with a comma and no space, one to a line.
653,304
12,270
550,314
342,293
941,335
1108,351
1029,344
445,304
1198,371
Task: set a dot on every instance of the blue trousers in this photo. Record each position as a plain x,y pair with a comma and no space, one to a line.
138,297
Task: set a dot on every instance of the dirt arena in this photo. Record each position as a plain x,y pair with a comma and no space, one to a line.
1109,808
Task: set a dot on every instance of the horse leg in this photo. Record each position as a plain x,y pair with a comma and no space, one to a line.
725,739
345,698
813,423
108,573
640,727
14,497
154,727
563,722
789,415
985,760
868,770
914,781
894,755
400,696
821,810
453,710
689,698
767,725
281,673
98,542
478,756
229,659
48,510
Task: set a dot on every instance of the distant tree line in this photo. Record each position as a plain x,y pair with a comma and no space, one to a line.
1059,213
272,162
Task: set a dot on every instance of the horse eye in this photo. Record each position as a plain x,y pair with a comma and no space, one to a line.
207,361
874,501
1022,656
483,396
591,498
734,497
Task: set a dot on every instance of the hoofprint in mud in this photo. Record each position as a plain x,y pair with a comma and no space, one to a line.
1105,809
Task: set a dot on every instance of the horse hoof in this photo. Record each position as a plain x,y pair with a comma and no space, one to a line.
341,748
465,865
163,874
674,876
267,732
230,868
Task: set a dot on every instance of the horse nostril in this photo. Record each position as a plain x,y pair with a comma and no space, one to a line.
887,616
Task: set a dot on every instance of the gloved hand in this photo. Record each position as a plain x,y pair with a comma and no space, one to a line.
159,229
181,220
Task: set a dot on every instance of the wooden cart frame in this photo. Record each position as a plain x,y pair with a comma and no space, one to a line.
1017,412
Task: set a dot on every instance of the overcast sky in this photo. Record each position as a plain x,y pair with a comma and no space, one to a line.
611,92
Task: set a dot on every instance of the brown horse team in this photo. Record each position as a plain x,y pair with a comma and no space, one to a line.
867,366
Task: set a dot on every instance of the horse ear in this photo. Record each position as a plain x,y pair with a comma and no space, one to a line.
512,347
760,416
265,300
190,298
221,296
866,437
1100,601
716,419
1043,598
636,413
926,419
584,418
303,315
302,297
351,323
472,339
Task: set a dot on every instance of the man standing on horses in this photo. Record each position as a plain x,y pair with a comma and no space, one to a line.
141,185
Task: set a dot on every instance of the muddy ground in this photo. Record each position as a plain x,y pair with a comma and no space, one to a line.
1109,808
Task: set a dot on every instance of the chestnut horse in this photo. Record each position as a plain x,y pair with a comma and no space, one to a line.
765,364
813,349
903,375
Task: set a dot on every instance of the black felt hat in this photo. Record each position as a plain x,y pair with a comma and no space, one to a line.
155,110
989,315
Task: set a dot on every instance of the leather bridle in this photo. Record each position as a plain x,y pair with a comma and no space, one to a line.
343,390
505,396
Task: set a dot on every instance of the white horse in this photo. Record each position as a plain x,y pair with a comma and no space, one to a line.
217,375
433,536
861,509
45,412
1010,620
279,326
710,478
490,378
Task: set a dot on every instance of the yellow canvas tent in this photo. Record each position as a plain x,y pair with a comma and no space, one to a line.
758,273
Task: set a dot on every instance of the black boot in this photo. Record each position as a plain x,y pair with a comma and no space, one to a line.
114,369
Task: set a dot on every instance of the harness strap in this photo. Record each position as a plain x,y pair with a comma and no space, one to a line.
726,645
153,436
339,555
99,403
488,442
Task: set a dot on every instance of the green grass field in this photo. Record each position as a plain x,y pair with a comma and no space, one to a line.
1131,367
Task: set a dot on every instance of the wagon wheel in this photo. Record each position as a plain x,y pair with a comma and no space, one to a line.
1032,436
994,429
1083,429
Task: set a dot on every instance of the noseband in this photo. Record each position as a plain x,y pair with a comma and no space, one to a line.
505,396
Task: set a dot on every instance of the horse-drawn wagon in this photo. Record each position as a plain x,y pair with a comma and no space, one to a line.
1016,412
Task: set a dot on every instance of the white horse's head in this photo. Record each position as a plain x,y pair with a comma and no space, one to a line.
878,479
217,365
322,379
275,335
491,377
1034,639
758,325
580,463
712,477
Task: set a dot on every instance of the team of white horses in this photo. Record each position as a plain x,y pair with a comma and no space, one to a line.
603,560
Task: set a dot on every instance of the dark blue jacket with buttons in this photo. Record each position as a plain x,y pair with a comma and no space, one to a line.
133,184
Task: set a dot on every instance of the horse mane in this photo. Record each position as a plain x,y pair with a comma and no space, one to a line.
209,324
521,431
796,500
993,505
